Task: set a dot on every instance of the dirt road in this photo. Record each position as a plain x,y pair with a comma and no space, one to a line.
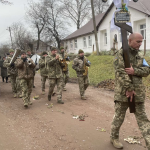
43,128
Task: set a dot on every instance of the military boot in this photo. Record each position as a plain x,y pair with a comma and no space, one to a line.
116,143
53,93
20,96
64,89
26,105
49,97
83,97
43,92
60,102
15,95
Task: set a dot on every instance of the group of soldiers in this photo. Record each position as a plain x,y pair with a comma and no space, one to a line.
53,67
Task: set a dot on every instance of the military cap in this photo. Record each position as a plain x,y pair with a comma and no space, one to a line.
22,52
43,53
28,50
61,47
53,48
80,51
11,50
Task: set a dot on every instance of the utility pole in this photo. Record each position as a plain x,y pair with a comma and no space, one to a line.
95,31
10,36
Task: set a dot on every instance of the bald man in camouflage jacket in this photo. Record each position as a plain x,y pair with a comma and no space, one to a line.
80,65
125,88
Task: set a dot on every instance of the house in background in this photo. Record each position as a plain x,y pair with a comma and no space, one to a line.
42,46
84,38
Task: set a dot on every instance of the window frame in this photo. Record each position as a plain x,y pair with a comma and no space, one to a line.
84,42
144,30
105,38
90,40
75,43
71,44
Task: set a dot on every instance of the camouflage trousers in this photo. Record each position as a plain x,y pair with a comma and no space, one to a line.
43,80
65,78
13,83
26,87
52,83
83,84
141,117
18,86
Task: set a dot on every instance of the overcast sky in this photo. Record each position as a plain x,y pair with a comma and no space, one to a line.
10,14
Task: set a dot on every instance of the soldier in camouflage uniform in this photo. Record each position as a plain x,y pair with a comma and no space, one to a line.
29,55
25,73
12,72
65,70
55,74
125,88
43,70
79,64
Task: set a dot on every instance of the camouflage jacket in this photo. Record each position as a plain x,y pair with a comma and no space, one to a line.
66,58
78,65
43,66
10,70
54,67
25,70
122,80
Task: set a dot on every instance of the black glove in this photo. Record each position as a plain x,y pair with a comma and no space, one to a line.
12,64
24,59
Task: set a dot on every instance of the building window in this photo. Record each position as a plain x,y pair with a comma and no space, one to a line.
71,44
75,43
84,41
143,30
90,40
105,38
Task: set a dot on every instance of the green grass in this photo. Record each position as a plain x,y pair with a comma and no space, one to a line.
102,69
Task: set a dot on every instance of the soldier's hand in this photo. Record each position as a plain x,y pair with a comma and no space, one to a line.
129,70
130,94
24,59
57,56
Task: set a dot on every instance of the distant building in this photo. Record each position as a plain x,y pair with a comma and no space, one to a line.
83,38
42,46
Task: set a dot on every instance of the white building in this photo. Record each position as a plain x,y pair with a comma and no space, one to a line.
84,38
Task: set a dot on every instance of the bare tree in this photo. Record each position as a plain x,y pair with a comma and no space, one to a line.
21,37
37,15
4,49
76,10
55,24
100,6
